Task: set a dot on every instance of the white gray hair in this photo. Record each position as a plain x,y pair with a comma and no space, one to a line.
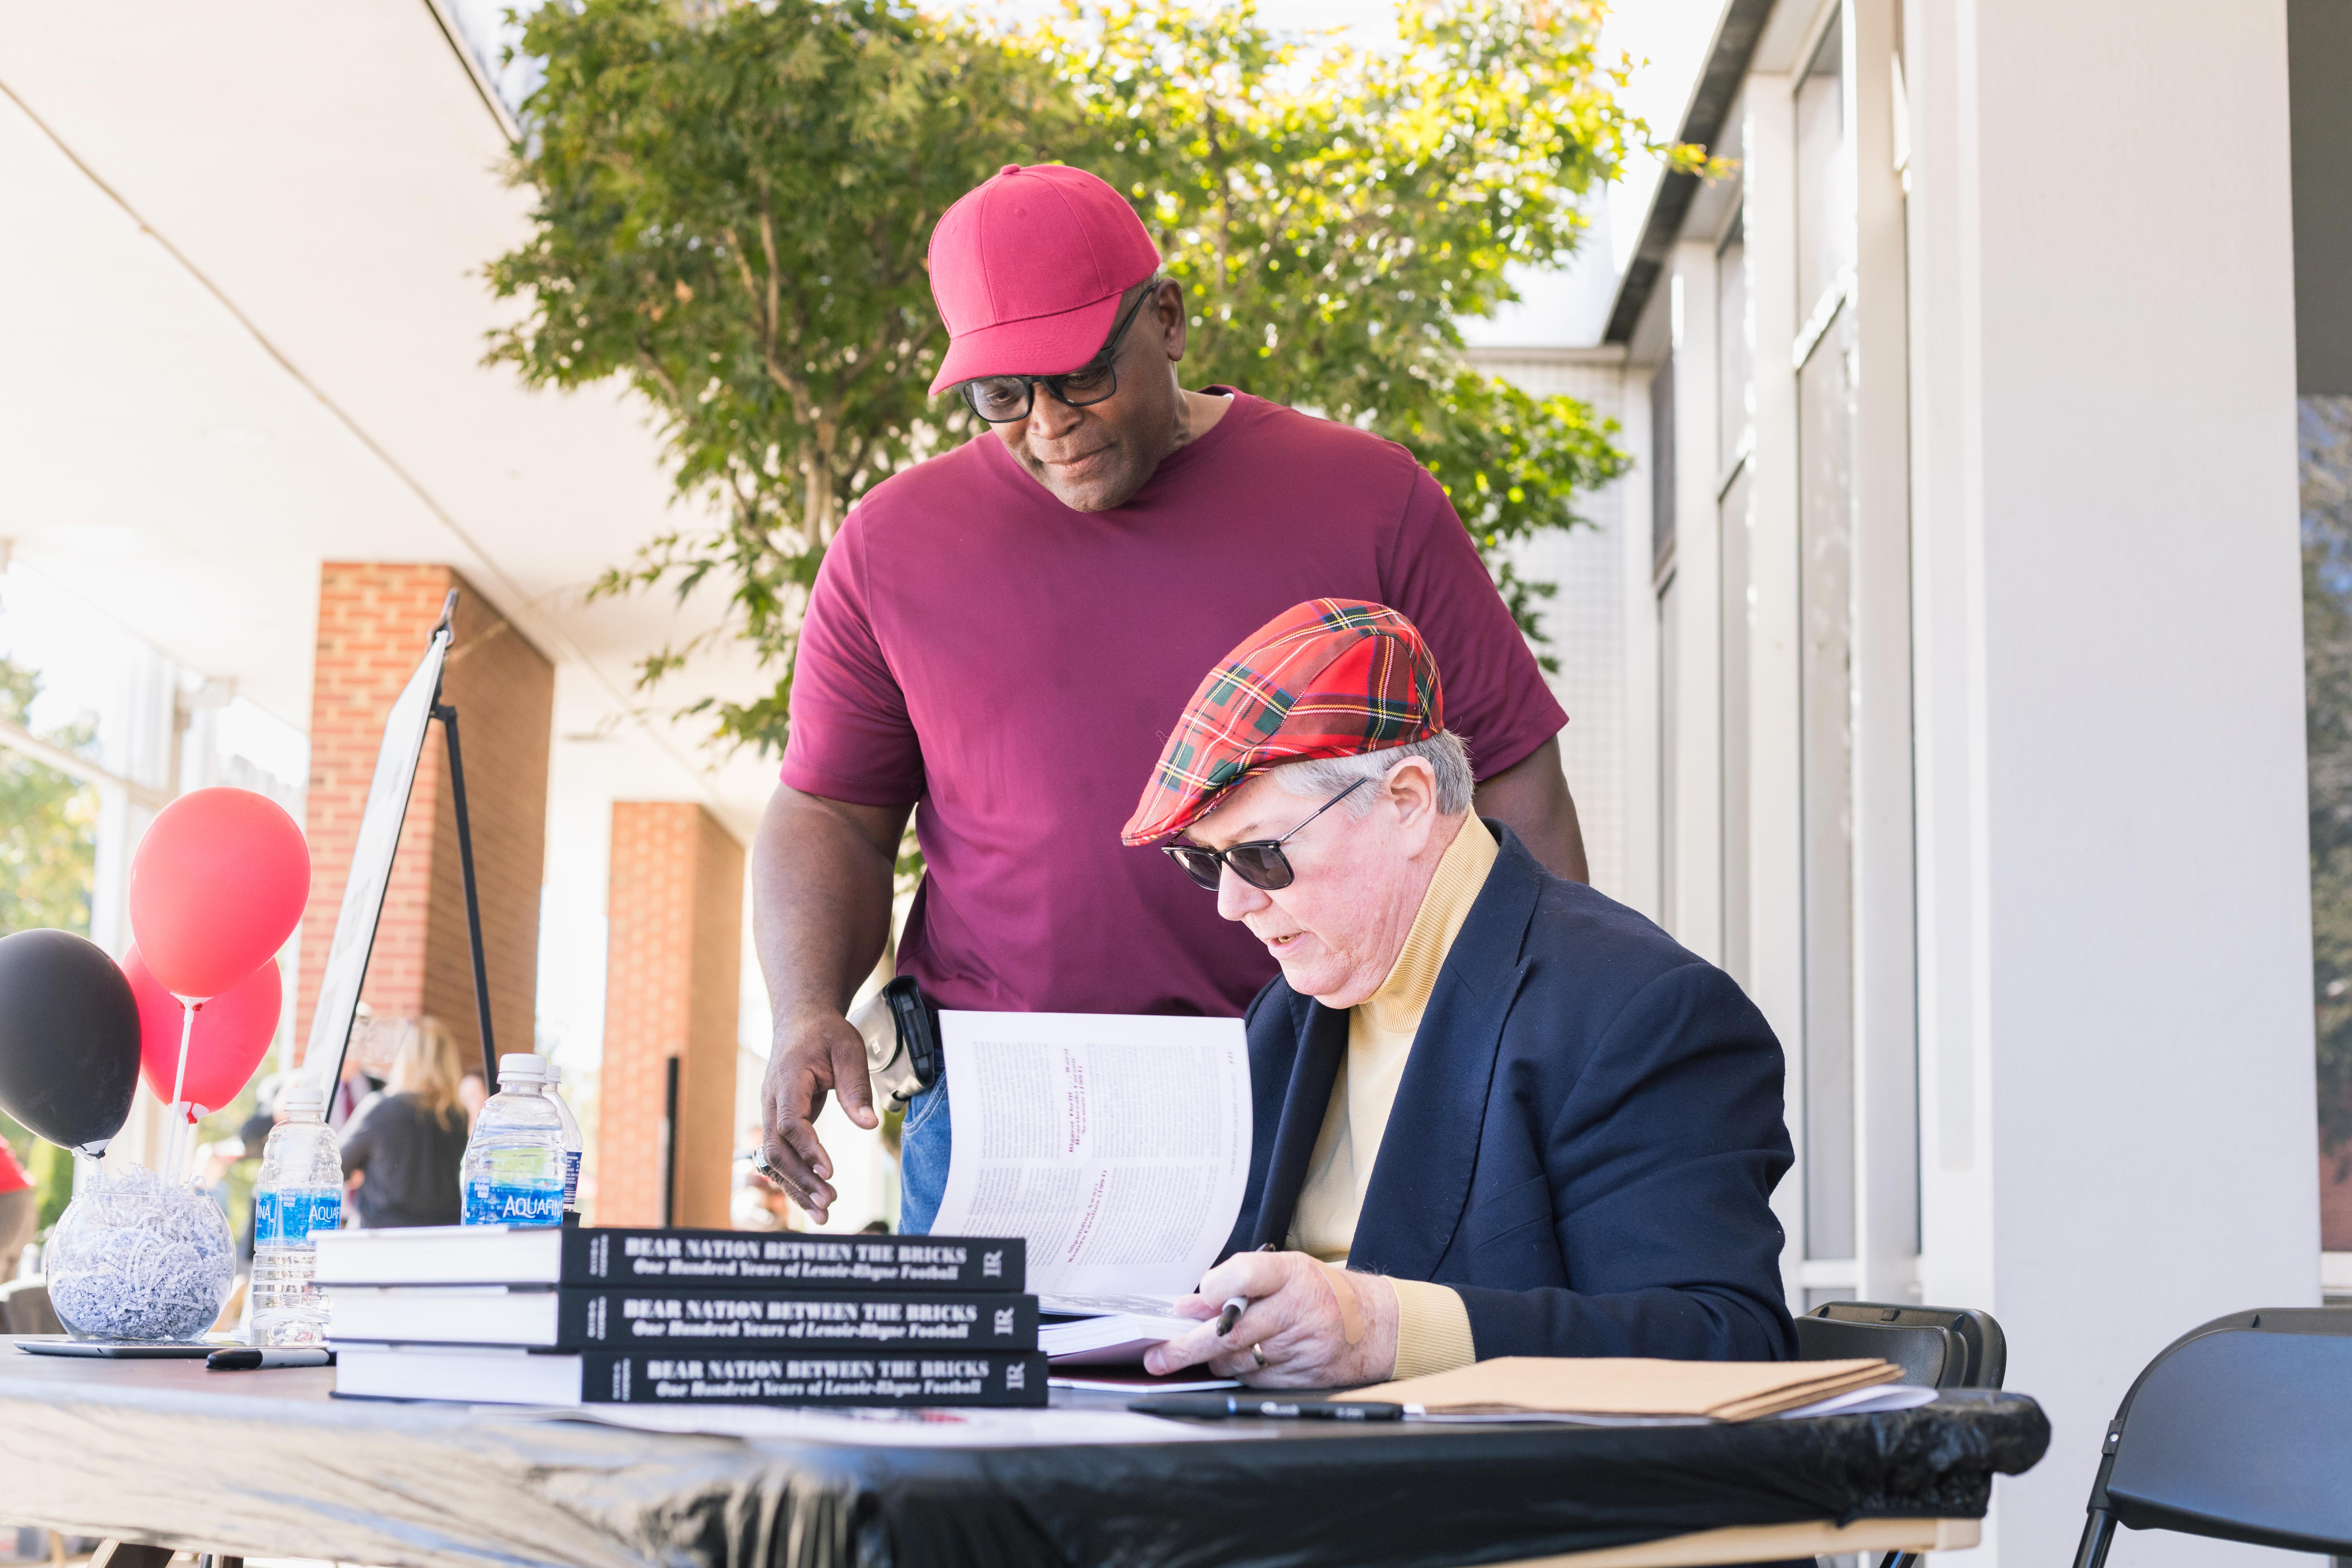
1444,753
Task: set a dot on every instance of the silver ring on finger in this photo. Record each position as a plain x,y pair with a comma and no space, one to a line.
1257,1354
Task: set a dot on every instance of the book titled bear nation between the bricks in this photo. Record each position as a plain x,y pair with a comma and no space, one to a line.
586,1255
624,1317
1015,1378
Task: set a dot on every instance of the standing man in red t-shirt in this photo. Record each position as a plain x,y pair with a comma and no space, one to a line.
998,636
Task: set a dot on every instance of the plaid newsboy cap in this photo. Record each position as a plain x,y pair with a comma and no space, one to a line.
1330,678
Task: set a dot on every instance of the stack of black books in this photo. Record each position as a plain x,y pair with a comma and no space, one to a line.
564,1315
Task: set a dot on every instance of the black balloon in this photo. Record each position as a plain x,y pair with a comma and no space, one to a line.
68,1038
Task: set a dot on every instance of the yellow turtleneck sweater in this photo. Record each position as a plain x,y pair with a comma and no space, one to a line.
1433,1326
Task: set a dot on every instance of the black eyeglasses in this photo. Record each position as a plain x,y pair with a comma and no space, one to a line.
1259,862
1002,399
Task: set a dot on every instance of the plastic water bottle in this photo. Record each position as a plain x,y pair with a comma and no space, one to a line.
299,1194
573,1143
513,1171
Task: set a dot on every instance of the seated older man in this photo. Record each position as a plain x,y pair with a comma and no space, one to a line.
1496,1113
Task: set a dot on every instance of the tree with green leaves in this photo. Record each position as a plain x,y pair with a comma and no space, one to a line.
733,205
48,823
734,202
1333,214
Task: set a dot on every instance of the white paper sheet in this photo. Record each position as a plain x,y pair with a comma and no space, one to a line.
1870,1401
1117,1146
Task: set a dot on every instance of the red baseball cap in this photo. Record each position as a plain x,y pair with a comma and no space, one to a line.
1027,271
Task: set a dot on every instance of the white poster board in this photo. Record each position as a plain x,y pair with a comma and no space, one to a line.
371,869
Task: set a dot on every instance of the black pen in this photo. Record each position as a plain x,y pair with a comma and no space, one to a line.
258,1359
1235,1306
1218,1406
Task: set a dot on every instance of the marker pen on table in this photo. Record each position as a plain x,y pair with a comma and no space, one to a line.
262,1359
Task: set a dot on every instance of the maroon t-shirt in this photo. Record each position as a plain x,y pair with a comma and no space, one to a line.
975,646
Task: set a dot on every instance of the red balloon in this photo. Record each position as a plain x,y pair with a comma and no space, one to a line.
233,1033
217,887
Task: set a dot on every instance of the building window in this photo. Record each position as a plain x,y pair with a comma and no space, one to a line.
1734,350
1670,709
1662,563
1825,379
98,730
2324,431
1736,512
1662,467
1735,420
1824,187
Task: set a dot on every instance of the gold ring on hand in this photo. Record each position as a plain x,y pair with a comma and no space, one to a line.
1257,1354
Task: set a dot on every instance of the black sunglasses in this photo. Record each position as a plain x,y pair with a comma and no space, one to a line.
1259,862
1002,399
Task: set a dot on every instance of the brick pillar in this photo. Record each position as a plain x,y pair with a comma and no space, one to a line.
374,620
674,906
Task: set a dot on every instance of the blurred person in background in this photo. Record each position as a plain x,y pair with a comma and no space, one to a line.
403,1145
256,1129
369,1051
216,1160
472,1095
355,1088
757,1204
20,1211
253,1134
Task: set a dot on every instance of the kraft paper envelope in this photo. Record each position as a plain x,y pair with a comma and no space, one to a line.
1581,1385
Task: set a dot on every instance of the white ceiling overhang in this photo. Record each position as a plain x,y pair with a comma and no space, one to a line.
242,321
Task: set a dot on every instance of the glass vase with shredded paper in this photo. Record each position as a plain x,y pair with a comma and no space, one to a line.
140,1259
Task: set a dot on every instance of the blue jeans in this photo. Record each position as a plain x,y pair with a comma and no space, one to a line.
925,1143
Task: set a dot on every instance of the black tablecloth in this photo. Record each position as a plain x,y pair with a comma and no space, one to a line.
266,1463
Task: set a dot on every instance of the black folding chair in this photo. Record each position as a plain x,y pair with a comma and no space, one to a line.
24,1308
2240,1430
1935,1347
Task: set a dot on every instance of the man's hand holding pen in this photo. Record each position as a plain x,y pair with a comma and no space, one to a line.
1306,1324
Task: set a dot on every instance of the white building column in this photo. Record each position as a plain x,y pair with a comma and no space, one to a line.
2117,1111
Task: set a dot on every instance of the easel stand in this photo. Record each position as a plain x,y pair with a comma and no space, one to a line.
447,714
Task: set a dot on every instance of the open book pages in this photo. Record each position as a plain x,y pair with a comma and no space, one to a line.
1602,1386
1064,1305
1117,1146
1113,1331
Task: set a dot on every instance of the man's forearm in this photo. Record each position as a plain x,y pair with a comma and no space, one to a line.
821,898
1530,797
820,914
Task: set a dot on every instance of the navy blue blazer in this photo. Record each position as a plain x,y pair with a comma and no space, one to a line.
1585,1140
